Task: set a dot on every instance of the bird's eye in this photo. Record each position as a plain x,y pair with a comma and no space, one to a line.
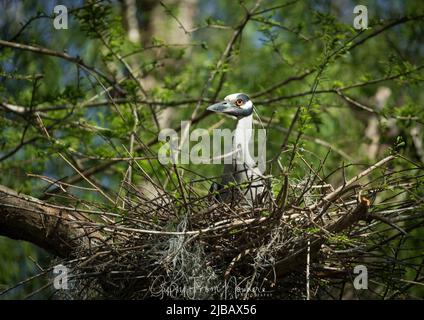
239,102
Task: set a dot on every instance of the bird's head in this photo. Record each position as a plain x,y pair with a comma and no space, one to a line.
237,105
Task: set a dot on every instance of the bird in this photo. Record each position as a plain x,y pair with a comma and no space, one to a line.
241,168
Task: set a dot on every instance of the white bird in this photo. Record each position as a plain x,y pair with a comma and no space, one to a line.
241,168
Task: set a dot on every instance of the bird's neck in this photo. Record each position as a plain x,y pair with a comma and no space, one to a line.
242,137
245,123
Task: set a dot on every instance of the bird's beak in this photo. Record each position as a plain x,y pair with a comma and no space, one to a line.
218,107
224,107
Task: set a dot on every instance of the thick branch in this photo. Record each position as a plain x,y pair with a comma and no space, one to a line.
25,218
298,258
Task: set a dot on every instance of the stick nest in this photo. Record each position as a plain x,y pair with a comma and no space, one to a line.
304,239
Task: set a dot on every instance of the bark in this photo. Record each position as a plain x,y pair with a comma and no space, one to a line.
55,229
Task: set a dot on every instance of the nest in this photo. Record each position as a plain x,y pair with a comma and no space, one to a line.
303,241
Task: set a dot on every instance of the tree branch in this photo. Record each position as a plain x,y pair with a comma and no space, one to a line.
298,258
63,55
26,218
